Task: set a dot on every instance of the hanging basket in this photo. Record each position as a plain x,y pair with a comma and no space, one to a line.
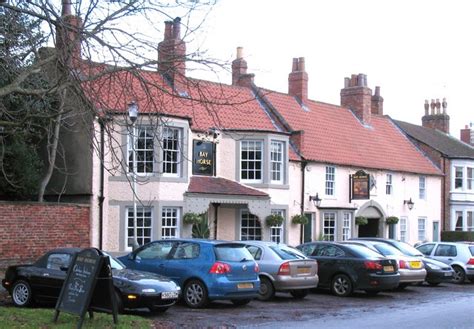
192,218
361,220
274,220
299,219
392,220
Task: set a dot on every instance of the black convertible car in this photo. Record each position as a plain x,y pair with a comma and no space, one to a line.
43,280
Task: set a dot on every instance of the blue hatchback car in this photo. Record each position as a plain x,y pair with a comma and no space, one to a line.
206,270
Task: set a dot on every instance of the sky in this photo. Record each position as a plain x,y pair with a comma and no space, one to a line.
413,49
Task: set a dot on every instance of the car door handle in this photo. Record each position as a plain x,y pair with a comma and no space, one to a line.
450,259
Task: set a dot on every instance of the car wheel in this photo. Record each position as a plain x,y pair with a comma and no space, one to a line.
372,292
240,302
195,294
300,293
266,291
459,275
118,301
341,285
22,295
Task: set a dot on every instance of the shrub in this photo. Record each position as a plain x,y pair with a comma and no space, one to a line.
361,220
299,219
453,236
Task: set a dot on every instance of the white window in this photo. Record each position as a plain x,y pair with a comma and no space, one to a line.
329,226
251,160
330,177
470,221
171,151
276,232
169,222
458,177
144,225
459,221
250,228
388,185
276,162
403,229
470,178
421,229
422,187
144,150
346,226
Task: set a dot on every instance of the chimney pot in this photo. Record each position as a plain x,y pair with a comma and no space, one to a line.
445,105
177,28
295,65
168,29
301,66
240,52
347,82
427,107
66,8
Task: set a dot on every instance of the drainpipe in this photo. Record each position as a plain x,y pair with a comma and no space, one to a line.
303,167
101,187
216,207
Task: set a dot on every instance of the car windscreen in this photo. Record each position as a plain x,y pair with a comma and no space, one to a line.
407,249
286,253
114,263
232,253
387,250
363,251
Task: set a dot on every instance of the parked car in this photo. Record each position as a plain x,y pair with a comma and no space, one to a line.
411,269
205,269
344,268
42,282
283,269
459,255
436,272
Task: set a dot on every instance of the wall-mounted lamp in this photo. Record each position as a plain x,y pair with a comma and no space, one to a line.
409,203
316,200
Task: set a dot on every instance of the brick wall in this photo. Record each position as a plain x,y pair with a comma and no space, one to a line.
27,230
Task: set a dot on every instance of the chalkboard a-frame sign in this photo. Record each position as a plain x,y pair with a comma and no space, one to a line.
77,296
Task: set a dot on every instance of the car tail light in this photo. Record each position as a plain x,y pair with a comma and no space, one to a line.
284,269
403,264
371,265
257,268
470,261
219,268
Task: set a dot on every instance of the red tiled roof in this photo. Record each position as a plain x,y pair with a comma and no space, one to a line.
332,134
219,185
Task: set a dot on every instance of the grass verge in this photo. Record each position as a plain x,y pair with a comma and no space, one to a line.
13,317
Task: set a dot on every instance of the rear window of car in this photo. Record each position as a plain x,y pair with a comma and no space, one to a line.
387,250
285,252
471,248
232,253
363,251
408,250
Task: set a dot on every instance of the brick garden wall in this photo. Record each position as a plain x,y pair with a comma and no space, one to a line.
29,229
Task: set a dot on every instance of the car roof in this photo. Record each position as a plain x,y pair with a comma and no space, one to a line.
202,241
262,243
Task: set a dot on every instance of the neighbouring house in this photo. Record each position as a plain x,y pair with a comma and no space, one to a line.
467,134
238,153
455,159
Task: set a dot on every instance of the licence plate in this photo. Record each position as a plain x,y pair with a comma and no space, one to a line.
448,274
248,285
169,295
388,268
304,270
415,264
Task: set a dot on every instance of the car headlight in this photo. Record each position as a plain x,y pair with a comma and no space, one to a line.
148,290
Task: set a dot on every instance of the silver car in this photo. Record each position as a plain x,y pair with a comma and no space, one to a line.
283,269
459,255
411,269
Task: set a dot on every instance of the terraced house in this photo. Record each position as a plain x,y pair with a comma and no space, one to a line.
171,145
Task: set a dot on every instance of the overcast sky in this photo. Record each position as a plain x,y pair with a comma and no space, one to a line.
413,49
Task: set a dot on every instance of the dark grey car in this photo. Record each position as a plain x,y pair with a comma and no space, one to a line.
283,269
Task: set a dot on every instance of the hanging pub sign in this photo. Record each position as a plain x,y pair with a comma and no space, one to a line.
360,185
203,158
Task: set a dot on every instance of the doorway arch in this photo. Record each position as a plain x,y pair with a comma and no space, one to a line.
375,214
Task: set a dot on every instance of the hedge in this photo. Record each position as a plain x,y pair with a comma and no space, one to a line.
457,236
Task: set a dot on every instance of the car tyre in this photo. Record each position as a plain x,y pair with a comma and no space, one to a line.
195,294
341,285
300,293
267,291
22,295
240,302
459,275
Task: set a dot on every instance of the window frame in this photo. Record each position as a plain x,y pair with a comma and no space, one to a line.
133,148
177,151
403,229
278,162
346,229
277,232
329,228
422,187
141,239
257,226
261,161
330,181
470,178
421,228
389,184
164,225
458,180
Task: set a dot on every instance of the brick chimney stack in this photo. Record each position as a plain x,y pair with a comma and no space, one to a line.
240,77
358,97
437,118
298,80
172,52
467,134
68,34
377,102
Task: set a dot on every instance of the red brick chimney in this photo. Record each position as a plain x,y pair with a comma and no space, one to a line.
467,134
436,118
172,52
68,34
298,80
377,102
240,77
358,97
